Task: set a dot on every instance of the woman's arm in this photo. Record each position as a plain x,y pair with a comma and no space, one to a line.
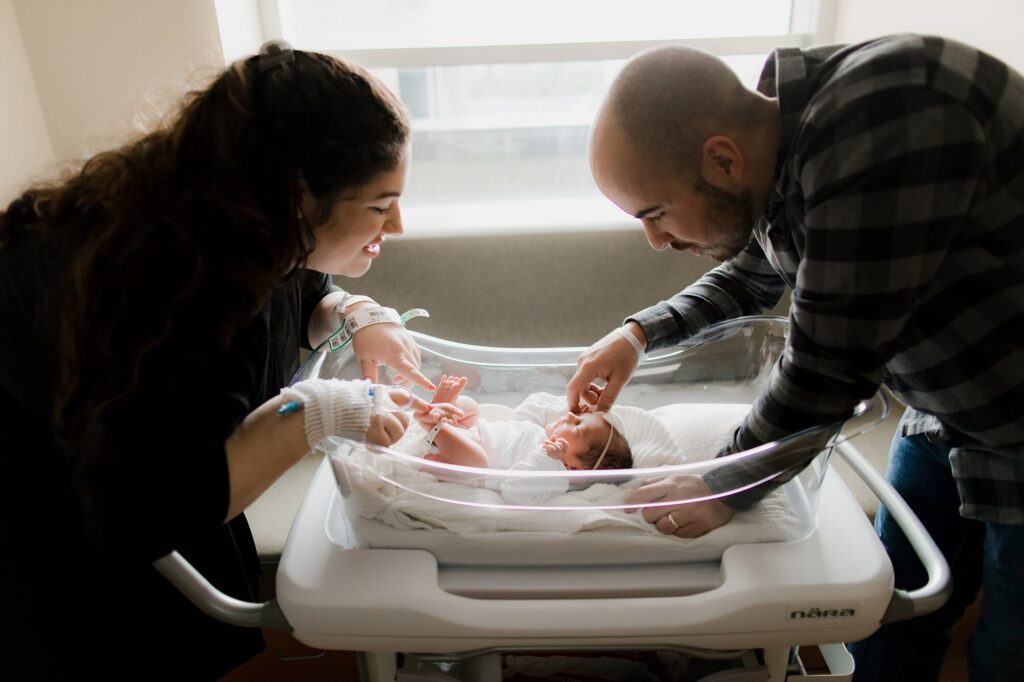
263,447
379,344
266,444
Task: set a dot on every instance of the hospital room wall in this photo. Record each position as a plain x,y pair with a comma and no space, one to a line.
24,140
80,76
992,25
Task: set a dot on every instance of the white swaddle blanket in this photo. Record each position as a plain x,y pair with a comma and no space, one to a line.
404,497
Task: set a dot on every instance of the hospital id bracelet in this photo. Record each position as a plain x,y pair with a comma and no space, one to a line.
428,440
366,317
633,341
352,299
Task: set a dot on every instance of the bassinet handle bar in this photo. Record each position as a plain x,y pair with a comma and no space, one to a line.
213,602
905,605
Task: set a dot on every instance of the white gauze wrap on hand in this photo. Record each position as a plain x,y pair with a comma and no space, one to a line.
332,407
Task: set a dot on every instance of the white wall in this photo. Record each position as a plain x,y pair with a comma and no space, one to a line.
25,150
991,25
103,66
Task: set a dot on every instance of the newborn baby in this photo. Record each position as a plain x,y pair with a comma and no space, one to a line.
534,438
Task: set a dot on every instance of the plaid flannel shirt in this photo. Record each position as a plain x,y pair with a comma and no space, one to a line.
897,219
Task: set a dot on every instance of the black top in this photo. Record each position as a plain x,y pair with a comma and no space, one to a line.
79,532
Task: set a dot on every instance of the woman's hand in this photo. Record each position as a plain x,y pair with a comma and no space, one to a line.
386,428
390,345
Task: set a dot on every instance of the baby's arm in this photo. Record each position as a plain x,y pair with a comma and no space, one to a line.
457,446
428,414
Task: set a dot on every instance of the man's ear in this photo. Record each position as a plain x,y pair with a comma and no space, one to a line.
722,160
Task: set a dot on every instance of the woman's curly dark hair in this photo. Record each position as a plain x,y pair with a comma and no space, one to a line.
189,228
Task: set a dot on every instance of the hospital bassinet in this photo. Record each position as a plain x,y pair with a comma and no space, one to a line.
454,603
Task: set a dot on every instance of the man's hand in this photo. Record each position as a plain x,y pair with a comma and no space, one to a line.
389,344
686,520
386,427
612,360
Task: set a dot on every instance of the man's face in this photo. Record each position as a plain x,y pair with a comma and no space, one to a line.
676,213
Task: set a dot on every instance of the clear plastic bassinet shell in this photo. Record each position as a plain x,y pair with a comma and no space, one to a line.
726,365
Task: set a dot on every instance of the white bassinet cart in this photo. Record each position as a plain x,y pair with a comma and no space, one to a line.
421,602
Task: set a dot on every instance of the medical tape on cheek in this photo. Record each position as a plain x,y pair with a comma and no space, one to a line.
365,317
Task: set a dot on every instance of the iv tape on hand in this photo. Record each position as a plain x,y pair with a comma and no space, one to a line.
331,407
338,407
364,318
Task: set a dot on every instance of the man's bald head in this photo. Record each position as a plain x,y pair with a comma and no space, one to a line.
668,100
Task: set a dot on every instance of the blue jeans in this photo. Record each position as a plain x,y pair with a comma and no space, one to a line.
987,556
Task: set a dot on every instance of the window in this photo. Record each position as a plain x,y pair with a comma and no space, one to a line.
502,94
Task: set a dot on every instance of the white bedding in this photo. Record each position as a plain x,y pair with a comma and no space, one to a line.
384,515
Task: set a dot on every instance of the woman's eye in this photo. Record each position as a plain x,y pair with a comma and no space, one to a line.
378,210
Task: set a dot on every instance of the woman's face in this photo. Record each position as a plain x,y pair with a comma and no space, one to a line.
353,234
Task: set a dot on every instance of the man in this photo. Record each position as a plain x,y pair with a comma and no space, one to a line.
884,183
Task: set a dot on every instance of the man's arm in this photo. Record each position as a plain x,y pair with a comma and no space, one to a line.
877,228
744,285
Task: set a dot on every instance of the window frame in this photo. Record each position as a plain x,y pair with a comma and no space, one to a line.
811,22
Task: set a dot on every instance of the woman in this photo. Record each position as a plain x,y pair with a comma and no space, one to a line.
152,307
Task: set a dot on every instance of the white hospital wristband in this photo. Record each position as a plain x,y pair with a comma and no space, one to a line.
364,317
633,341
351,299
427,446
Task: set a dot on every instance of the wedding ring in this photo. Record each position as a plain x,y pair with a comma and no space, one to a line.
675,526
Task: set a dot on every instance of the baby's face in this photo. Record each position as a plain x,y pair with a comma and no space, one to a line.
581,432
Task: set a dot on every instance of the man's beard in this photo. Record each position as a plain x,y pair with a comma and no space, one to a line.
731,217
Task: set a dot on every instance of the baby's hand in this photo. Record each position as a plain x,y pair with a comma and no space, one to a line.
438,412
449,388
555,447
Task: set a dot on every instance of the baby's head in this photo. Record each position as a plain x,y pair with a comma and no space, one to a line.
592,442
613,453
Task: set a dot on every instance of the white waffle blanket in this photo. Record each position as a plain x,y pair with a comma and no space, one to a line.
406,498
